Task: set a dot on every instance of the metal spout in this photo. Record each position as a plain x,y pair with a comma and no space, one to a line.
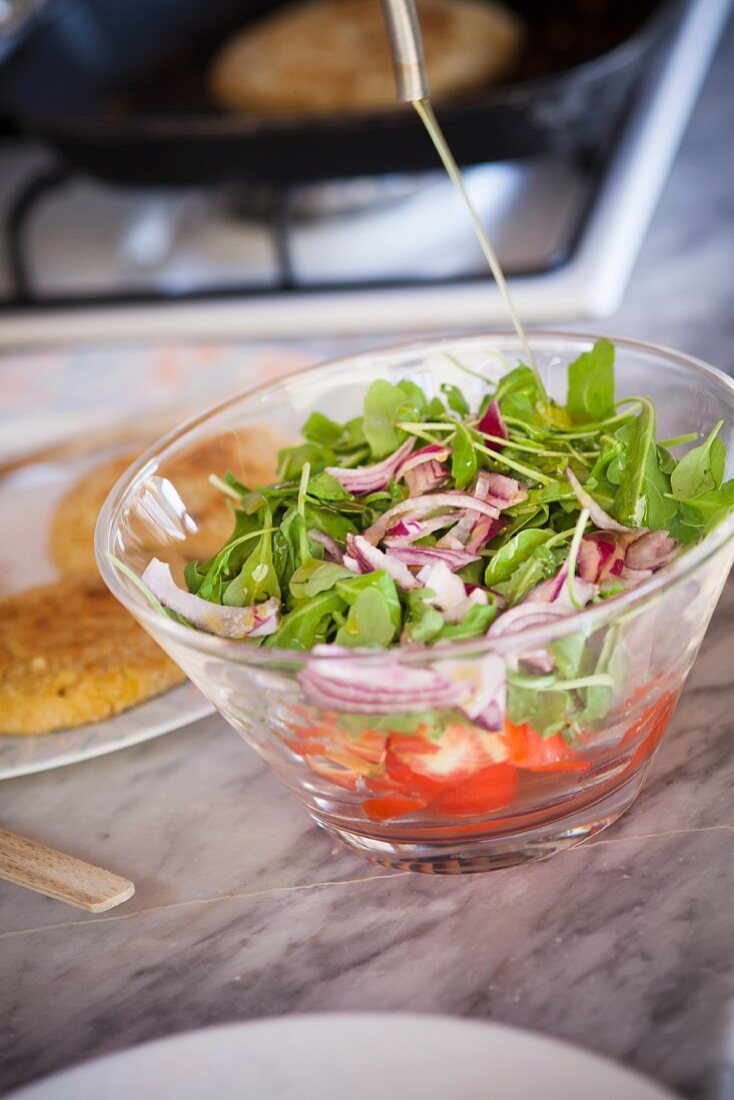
407,49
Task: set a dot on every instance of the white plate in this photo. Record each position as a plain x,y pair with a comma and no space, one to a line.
27,500
351,1057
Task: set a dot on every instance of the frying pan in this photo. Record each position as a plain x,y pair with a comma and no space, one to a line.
118,88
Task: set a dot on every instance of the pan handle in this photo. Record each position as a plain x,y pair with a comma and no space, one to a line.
407,49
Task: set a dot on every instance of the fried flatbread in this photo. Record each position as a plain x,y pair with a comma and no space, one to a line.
325,56
251,454
71,654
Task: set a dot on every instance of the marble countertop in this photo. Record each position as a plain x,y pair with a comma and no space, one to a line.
244,909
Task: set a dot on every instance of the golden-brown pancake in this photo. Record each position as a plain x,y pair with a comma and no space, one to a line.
71,654
323,56
251,454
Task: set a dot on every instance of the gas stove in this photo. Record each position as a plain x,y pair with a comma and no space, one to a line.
81,260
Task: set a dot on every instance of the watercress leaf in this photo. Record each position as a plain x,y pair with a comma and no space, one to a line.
455,399
630,499
314,577
423,622
326,487
352,435
591,384
193,576
545,712
291,460
320,429
476,621
369,622
308,623
383,405
328,520
463,458
568,654
517,550
350,588
415,406
701,469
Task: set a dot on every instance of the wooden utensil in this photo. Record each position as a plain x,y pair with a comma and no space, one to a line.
60,876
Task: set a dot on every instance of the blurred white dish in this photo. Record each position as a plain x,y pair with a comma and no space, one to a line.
351,1057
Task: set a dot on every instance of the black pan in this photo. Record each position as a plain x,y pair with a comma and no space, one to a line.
117,86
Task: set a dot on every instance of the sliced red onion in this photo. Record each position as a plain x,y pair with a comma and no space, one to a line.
493,424
526,616
599,517
603,550
425,478
427,555
493,485
363,557
368,479
650,551
555,591
387,687
484,531
434,452
330,545
254,621
630,578
457,537
485,680
406,532
418,507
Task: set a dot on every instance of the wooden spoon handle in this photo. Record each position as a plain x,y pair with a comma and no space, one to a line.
60,876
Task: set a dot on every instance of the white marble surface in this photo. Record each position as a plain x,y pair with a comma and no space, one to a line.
244,909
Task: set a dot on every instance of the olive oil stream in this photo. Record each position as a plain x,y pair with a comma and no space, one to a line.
429,120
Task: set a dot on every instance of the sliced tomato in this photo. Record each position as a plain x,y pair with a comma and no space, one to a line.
527,749
490,789
335,774
652,724
458,752
395,805
370,746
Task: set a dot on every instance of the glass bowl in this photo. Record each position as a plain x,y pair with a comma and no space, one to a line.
429,790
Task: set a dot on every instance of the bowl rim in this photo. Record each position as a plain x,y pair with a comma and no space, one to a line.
588,620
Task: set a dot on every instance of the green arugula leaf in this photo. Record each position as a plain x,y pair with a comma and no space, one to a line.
591,384
455,399
705,512
630,500
384,405
257,580
701,469
513,554
540,566
320,429
464,463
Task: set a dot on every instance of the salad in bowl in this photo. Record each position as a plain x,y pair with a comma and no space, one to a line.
459,622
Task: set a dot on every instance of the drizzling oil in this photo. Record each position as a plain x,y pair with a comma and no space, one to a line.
429,120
